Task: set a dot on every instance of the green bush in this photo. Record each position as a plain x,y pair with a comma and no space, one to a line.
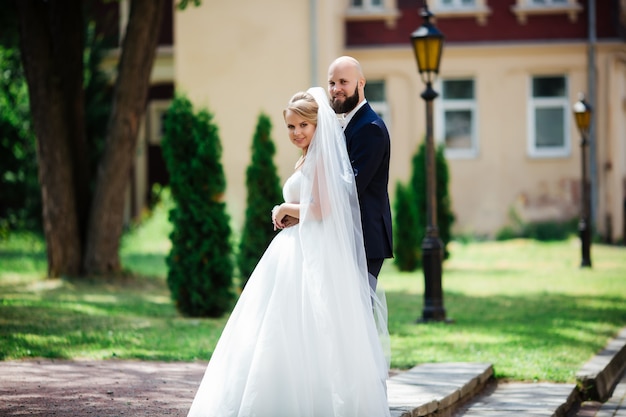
263,186
20,199
507,233
405,241
545,231
445,217
200,265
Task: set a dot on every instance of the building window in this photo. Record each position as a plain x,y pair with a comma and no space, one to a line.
367,4
455,122
548,2
548,117
155,116
462,8
386,10
457,3
377,99
523,8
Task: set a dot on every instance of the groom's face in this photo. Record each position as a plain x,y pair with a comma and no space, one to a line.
343,87
342,103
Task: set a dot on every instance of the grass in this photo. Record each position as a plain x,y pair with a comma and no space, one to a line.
522,305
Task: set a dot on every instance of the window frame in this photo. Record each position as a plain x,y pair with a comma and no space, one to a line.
154,120
479,10
524,8
382,108
533,150
367,5
456,4
388,12
442,105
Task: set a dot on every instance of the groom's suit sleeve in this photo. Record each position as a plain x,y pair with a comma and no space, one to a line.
369,147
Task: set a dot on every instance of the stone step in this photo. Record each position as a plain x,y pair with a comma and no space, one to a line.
436,388
522,399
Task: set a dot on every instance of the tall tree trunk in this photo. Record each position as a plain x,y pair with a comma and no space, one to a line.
68,31
51,45
129,101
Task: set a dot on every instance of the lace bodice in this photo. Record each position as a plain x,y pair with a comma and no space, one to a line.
291,189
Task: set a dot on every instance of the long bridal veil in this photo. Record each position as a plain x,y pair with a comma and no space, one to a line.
331,234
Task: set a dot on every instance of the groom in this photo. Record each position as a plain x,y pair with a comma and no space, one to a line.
367,140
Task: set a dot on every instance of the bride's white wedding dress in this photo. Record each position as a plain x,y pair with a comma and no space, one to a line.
302,340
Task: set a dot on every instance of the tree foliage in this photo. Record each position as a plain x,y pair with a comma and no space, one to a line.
406,242
98,98
410,210
263,187
445,217
20,199
200,261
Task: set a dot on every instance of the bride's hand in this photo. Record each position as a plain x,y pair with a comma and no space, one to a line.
277,218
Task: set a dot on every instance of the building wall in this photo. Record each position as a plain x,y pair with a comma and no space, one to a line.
240,58
502,177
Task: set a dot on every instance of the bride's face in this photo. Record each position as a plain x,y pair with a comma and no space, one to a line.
300,130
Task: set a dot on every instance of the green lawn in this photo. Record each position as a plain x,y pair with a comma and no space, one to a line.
524,306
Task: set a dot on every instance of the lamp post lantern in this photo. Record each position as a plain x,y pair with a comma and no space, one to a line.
427,42
582,114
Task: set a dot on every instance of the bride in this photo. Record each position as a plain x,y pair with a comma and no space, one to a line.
307,337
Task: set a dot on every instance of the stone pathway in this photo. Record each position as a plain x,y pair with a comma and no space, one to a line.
135,388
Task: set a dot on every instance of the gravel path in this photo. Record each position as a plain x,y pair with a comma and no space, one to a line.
97,388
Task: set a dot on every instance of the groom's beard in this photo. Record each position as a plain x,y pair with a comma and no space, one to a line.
348,104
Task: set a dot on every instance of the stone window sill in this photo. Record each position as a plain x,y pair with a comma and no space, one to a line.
523,11
480,13
390,16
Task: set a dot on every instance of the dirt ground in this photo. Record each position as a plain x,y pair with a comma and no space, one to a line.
97,388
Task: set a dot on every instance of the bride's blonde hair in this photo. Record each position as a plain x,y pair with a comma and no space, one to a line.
304,105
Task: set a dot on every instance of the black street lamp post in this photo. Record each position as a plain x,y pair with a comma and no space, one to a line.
427,44
582,113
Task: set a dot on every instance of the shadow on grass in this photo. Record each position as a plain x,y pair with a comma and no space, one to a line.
547,332
148,264
23,261
124,317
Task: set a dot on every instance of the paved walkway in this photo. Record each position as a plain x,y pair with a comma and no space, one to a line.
133,388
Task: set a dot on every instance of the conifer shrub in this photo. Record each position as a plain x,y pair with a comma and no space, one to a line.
200,264
445,217
406,244
264,192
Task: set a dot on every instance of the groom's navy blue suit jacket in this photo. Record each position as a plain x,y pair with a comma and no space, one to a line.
369,148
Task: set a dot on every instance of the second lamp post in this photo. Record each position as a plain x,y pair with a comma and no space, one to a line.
427,44
582,113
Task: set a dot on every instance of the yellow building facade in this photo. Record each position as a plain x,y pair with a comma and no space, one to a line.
238,59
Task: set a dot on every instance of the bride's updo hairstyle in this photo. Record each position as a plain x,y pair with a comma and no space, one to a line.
304,105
